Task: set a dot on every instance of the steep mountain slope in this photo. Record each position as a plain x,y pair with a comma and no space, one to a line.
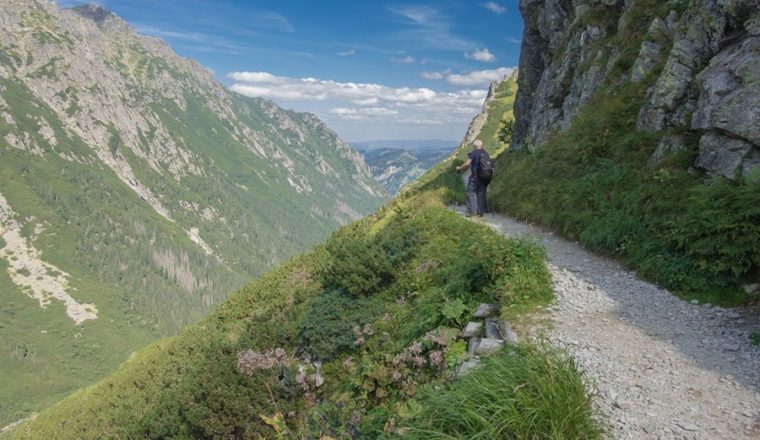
496,115
357,339
635,132
136,192
394,168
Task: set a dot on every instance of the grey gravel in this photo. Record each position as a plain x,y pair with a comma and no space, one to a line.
660,367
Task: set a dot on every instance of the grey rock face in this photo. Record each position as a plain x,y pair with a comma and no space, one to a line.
649,57
551,88
710,78
731,80
721,155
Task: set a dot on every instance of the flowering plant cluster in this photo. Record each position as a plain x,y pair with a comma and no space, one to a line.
249,360
360,333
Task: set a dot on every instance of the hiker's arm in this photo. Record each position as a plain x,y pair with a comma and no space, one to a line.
465,165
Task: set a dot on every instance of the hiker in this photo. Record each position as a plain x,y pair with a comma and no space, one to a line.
481,170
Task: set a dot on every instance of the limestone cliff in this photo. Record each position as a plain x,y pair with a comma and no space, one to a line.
699,59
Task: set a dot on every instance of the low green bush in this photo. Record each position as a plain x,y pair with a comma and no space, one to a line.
325,329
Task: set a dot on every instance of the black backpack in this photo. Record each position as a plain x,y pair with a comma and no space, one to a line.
485,167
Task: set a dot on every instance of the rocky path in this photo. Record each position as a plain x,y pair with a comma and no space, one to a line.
662,368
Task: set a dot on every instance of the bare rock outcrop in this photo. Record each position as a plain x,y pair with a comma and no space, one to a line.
701,60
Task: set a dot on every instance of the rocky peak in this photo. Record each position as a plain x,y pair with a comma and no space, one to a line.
96,13
476,125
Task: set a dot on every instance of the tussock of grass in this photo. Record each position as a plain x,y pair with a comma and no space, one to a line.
524,392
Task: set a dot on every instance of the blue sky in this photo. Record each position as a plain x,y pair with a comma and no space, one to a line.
370,69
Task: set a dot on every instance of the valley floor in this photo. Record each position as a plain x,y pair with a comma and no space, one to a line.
662,368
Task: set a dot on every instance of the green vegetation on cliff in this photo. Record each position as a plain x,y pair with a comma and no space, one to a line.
599,179
593,183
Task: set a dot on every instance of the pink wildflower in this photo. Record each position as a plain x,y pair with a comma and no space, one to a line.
419,361
415,348
436,358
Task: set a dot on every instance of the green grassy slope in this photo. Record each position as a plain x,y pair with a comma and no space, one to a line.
593,183
258,183
378,305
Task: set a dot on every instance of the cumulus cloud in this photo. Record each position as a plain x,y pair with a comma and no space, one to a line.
494,7
432,75
474,78
266,85
483,55
360,101
479,76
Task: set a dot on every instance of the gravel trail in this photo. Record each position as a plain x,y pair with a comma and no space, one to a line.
662,368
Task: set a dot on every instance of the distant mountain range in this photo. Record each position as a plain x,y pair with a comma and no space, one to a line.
405,144
136,192
394,168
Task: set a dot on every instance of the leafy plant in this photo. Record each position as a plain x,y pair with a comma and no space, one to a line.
453,310
506,130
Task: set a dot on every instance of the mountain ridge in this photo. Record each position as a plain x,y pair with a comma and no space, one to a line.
137,192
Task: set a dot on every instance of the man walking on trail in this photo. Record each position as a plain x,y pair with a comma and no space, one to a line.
481,170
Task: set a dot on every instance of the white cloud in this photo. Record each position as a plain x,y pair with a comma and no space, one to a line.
266,85
421,121
408,59
432,75
479,76
514,40
483,55
494,7
348,101
358,114
366,101
347,53
474,78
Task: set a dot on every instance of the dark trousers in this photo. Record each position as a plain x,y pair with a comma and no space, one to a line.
476,196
